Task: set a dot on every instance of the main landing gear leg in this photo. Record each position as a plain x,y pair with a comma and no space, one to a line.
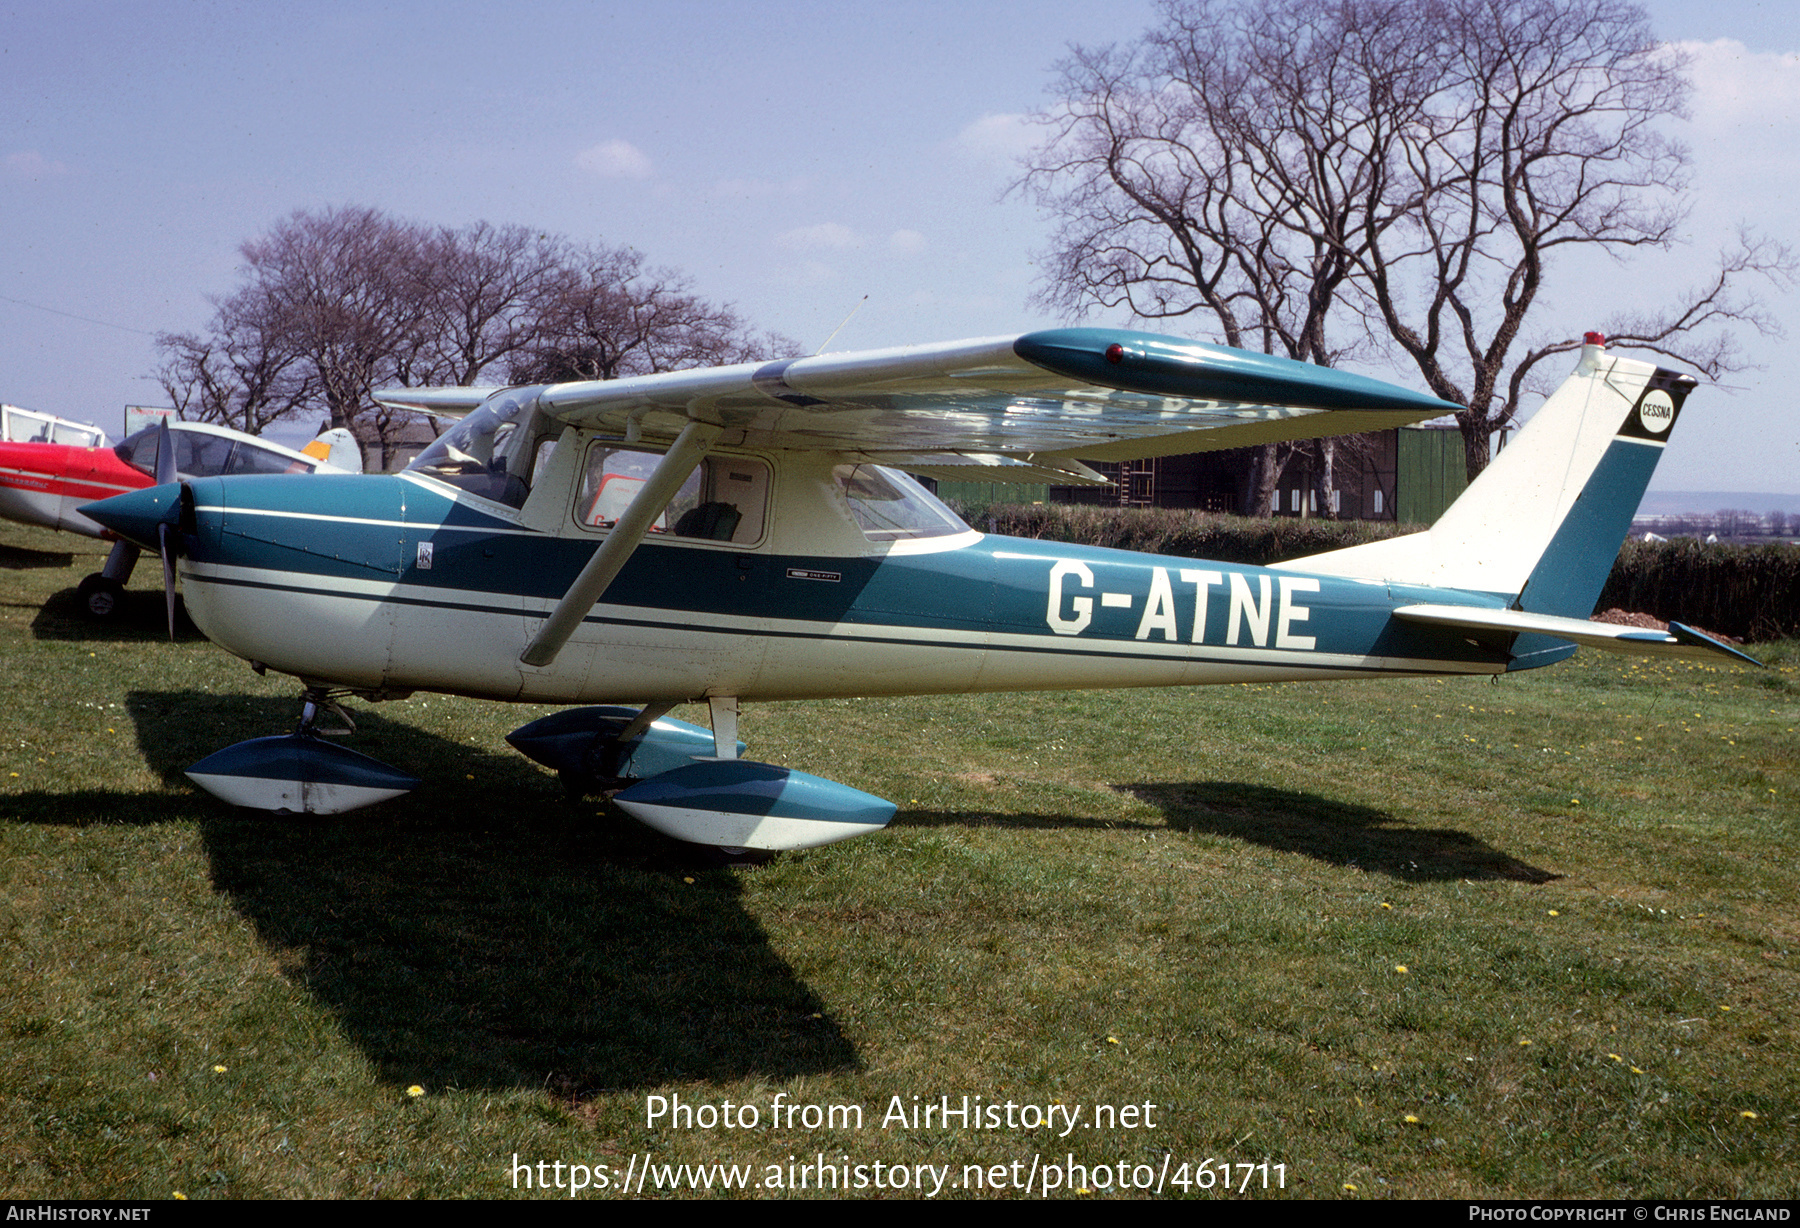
316,702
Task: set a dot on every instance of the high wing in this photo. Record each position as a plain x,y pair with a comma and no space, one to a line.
1026,409
1022,409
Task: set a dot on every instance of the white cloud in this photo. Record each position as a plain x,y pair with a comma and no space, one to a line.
1746,123
906,242
614,159
1736,88
30,164
999,140
829,236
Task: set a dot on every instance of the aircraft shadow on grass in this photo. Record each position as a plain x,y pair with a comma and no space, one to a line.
482,933
1343,834
141,617
24,558
1357,837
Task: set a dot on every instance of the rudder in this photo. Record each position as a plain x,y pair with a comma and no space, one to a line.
1543,523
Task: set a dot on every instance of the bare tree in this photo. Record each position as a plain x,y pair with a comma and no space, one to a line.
239,375
482,288
335,304
605,315
1401,172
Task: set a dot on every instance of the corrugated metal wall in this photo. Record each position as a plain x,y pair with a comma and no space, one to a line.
1432,471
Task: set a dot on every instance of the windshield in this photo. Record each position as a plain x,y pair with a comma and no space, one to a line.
201,454
484,453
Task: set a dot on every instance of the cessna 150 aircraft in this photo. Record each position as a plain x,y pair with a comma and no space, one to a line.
46,479
747,533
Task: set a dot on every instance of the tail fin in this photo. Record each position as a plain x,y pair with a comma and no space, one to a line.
1543,523
337,448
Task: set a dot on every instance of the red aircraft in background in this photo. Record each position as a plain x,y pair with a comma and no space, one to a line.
43,483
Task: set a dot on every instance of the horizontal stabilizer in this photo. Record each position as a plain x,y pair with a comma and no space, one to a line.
1677,641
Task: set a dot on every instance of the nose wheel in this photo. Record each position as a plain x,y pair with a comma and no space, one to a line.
102,594
100,597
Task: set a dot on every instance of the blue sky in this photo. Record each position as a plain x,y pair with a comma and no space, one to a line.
790,157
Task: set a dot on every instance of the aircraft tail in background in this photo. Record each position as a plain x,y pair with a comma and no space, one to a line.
337,448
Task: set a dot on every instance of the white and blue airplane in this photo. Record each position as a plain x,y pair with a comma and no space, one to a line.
750,533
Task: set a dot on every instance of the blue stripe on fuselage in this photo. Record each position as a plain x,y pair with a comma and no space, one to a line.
1068,597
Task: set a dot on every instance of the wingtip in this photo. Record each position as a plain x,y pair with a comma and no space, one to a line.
1176,366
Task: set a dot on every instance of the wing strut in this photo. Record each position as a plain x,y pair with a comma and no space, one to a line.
627,534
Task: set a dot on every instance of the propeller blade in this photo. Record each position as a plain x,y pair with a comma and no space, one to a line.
163,533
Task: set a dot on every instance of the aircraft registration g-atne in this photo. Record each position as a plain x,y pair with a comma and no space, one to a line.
750,533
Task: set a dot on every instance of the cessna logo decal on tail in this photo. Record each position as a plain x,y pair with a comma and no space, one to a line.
1657,411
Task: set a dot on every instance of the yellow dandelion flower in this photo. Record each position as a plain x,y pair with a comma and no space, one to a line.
687,880
415,1090
1386,905
1412,1121
1635,1070
1350,1187
1112,1040
1554,913
1400,968
218,1070
1748,1113
1524,1043
1615,1057
179,1196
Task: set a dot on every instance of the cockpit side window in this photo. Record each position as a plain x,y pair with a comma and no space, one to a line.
201,455
723,500
889,506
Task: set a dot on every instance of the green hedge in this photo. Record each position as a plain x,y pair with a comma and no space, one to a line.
1179,532
1751,592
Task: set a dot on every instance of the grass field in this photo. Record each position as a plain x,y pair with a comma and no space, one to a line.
1397,939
